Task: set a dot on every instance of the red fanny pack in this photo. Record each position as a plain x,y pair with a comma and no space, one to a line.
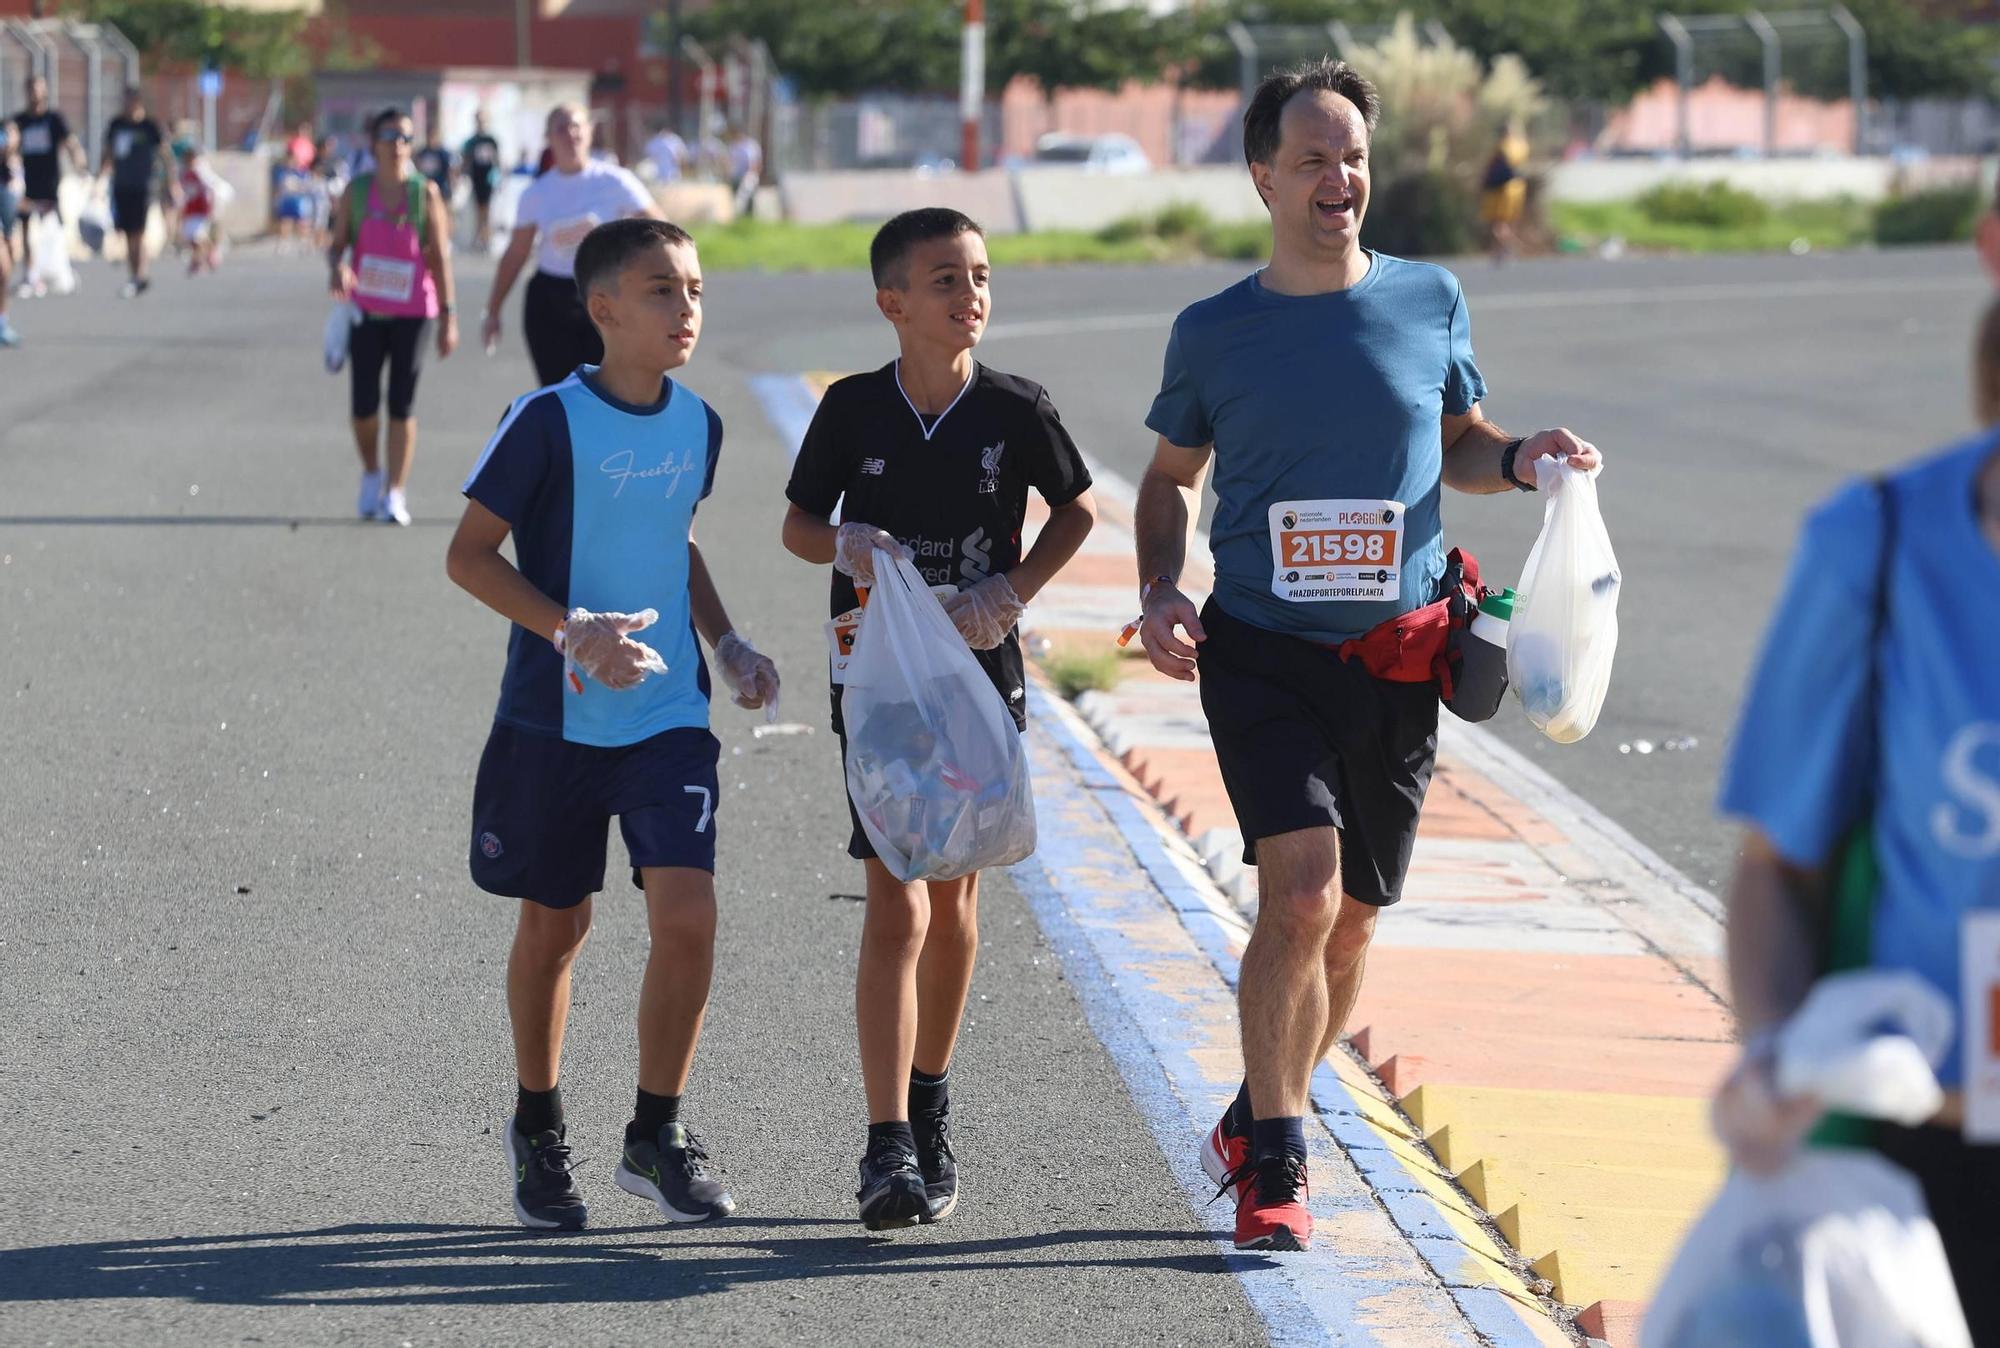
1423,644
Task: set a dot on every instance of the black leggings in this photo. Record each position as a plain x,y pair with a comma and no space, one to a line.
560,333
1961,1184
398,341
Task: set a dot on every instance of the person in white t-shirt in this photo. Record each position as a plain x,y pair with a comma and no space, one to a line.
669,154
575,196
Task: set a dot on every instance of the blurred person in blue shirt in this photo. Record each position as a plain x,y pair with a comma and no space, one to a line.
1876,706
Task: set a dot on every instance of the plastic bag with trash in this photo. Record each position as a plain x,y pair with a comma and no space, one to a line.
1836,1250
934,764
93,226
1565,627
339,333
51,267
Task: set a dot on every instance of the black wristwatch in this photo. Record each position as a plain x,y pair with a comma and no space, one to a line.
1507,464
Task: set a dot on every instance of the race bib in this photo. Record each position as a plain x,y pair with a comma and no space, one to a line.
1979,990
383,278
565,235
1336,550
35,140
121,144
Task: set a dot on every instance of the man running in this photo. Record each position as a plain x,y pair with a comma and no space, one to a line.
1336,392
557,211
480,156
42,137
135,149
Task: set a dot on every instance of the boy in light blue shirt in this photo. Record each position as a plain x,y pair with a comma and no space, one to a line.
597,479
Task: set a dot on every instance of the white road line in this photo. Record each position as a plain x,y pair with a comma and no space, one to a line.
1711,293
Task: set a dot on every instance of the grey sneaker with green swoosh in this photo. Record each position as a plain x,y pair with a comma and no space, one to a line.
545,1193
672,1171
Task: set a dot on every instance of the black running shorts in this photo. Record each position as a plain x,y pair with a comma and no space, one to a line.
560,333
1306,739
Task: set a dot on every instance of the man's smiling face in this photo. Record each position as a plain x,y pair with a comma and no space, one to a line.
1316,183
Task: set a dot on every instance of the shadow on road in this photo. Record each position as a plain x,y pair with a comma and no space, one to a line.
388,1265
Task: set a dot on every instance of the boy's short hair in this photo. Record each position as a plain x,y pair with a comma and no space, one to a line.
1267,103
607,250
890,252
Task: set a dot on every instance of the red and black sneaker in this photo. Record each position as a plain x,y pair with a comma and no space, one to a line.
1270,1207
1224,1153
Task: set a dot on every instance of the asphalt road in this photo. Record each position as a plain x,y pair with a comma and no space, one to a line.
254,1046
254,1037
1728,395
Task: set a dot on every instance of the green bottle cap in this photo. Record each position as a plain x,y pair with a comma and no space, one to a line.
1500,604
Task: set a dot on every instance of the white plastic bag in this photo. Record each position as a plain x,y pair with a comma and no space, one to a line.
51,266
339,332
1868,1043
1835,1251
1565,627
934,764
93,226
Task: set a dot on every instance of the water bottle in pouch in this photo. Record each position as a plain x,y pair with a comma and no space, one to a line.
1481,680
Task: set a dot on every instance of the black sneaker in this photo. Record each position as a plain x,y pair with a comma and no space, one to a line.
936,1162
892,1187
670,1171
544,1194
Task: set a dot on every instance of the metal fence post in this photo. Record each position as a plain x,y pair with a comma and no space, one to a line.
1857,72
1773,72
1683,41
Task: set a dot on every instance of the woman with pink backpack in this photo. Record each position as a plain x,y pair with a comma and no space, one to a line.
399,281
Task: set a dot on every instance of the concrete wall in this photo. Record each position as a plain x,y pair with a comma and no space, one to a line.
1006,202
1815,179
1067,199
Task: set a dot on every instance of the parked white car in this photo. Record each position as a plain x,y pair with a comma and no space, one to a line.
1113,153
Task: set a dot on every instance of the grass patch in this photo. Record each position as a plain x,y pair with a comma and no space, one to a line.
1698,222
1178,233
1075,673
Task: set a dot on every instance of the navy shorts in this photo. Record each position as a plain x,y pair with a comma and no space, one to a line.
542,808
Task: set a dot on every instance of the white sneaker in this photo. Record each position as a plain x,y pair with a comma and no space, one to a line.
370,504
394,509
8,337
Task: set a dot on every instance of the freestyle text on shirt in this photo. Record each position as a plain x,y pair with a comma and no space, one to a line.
1806,761
955,491
563,207
1332,402
600,495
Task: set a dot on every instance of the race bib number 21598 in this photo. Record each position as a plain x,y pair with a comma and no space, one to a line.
1336,550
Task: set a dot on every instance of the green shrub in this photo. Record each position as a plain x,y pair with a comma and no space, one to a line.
1714,205
1075,673
1181,220
1427,214
1247,242
1936,215
1126,230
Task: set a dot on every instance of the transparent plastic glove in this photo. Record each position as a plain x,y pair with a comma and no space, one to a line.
749,674
600,645
854,547
985,613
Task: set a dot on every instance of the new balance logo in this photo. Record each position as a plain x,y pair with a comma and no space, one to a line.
873,467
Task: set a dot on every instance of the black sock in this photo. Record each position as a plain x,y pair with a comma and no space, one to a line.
899,1132
537,1111
927,1092
1278,1137
1237,1122
652,1113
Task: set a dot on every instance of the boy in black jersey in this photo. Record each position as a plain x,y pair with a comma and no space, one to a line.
935,454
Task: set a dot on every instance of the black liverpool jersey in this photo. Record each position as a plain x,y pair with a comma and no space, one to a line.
954,490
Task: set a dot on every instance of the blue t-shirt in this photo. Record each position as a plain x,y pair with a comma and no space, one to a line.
1805,765
1323,398
600,495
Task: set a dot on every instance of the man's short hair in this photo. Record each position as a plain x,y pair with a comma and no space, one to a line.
386,117
1267,104
889,254
610,248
